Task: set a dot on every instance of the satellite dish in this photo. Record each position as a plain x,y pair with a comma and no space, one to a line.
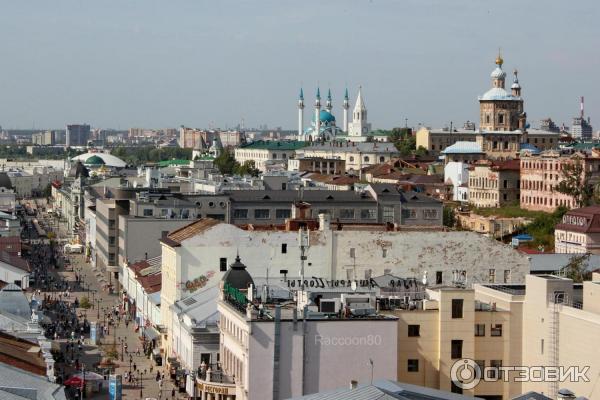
353,285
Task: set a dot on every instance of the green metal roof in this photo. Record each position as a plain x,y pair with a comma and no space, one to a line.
168,163
272,145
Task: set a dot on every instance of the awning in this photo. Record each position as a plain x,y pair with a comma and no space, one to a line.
150,333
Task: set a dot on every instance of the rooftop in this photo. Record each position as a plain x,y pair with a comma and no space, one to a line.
275,145
463,148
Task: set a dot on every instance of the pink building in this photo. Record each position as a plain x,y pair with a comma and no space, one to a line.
541,175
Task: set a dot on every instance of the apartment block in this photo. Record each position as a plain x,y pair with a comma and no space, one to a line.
541,175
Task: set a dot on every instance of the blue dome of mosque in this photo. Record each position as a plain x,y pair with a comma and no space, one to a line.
326,116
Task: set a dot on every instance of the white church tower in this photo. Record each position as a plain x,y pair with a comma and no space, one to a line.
359,127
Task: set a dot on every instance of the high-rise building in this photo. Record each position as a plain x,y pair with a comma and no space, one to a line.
77,135
581,128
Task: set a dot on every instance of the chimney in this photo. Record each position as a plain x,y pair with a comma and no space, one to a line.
353,384
324,222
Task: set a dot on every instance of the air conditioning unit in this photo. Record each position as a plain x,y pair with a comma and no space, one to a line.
329,306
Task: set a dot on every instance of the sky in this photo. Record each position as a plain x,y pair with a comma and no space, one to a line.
155,64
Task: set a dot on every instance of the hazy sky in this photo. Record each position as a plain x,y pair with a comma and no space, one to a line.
147,63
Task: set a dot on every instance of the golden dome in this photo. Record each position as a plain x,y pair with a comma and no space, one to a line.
499,60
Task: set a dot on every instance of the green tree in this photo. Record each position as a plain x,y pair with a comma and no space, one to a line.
404,141
449,217
575,182
576,268
247,168
226,163
47,192
542,228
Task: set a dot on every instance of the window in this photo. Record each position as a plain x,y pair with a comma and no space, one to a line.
479,329
111,258
457,308
148,212
366,158
382,159
494,371
283,213
456,349
496,330
500,118
368,273
222,264
111,224
351,159
507,276
414,330
324,212
430,214
542,346
412,365
283,248
262,213
438,277
409,213
492,276
368,214
241,213
352,252
388,214
347,213
384,253
111,240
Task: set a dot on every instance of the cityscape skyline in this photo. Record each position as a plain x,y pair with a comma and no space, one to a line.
155,66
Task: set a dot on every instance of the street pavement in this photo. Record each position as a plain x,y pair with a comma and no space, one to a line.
103,303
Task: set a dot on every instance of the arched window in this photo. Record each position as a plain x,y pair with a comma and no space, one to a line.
366,158
351,159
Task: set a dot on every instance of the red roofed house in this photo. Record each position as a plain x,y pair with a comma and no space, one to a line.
579,231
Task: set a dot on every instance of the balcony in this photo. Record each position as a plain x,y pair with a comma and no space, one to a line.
211,379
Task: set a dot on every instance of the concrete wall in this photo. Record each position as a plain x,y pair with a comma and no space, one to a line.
138,237
328,364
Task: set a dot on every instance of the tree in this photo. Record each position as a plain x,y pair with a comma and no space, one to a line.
247,168
449,217
542,227
575,183
226,163
576,268
404,141
47,192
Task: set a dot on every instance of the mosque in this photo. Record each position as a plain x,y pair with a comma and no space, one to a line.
323,124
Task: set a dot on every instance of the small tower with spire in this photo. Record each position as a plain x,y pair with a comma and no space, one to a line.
359,126
300,114
498,75
346,106
318,114
516,87
328,105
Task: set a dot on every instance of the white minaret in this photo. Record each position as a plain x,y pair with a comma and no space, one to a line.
328,104
301,115
317,115
359,125
346,106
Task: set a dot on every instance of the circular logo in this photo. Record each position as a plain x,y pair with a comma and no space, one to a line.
465,373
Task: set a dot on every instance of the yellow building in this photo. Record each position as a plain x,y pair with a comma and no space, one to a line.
548,322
